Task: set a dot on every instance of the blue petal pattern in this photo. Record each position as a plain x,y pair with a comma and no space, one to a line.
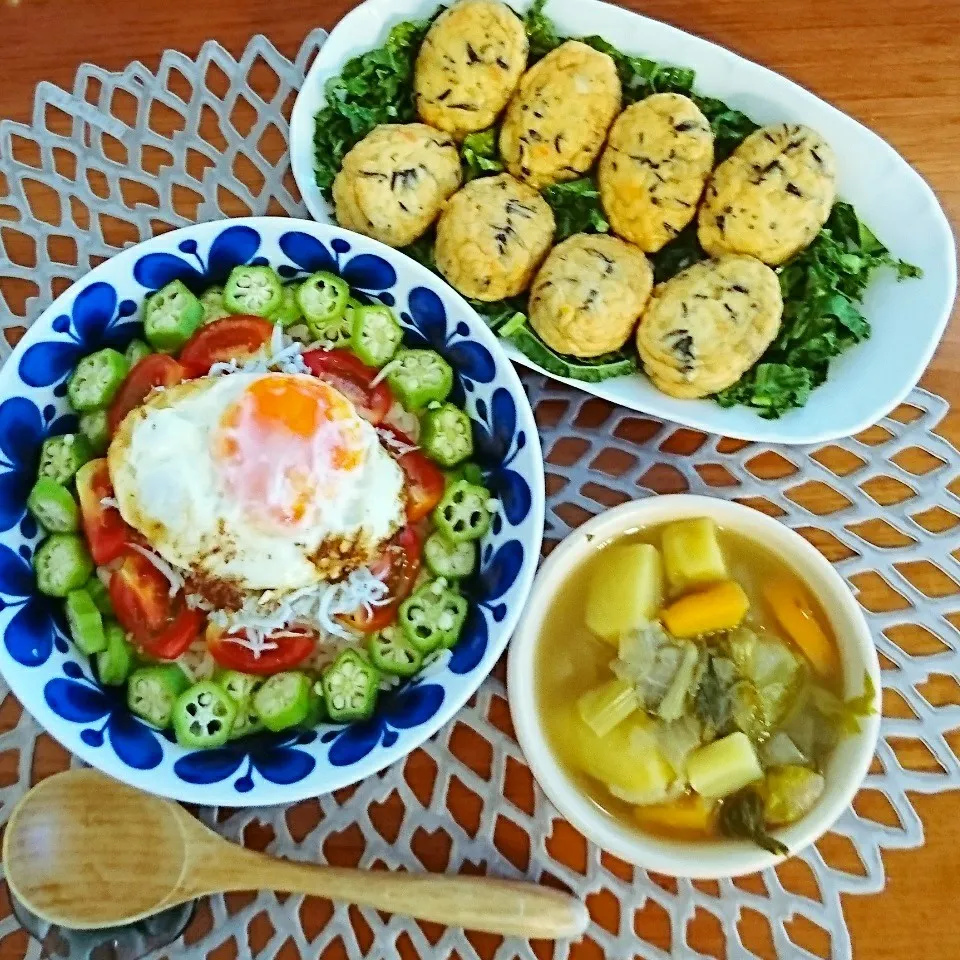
369,272
499,575
472,644
307,252
30,634
76,701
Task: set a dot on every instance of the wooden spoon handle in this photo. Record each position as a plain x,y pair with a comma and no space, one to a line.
507,907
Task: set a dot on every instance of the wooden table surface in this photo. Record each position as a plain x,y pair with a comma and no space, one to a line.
894,65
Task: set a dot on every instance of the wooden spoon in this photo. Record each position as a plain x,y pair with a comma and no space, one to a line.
85,851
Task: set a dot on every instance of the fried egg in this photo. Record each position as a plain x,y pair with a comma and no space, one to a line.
257,480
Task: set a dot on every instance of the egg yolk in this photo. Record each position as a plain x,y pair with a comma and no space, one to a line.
287,446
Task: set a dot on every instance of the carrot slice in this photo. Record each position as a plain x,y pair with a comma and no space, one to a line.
795,612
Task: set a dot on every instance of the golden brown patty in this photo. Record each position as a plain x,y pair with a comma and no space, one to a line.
469,65
771,196
589,293
558,119
653,169
492,236
393,182
705,327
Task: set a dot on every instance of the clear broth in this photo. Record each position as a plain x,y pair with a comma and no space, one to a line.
570,660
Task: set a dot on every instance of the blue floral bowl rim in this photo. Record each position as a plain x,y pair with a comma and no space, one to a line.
221,794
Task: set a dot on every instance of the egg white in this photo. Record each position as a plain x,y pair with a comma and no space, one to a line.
168,486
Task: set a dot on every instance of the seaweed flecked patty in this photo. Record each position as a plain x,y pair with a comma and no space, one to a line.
770,198
492,236
589,294
469,64
556,123
394,182
653,169
705,327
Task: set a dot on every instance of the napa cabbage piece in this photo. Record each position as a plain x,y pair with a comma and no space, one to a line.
665,671
790,793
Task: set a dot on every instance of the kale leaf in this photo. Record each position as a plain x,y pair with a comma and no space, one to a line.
639,76
576,207
594,370
541,31
822,289
375,87
480,154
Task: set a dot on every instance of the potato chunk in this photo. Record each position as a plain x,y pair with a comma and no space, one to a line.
724,766
692,554
625,591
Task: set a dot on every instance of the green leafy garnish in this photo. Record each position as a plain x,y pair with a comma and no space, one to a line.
374,88
593,370
576,207
500,313
541,32
683,251
730,127
639,76
822,288
481,154
422,250
742,817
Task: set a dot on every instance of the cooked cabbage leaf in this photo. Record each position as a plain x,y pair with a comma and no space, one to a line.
742,817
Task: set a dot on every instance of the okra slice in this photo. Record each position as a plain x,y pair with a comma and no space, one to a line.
62,563
390,652
350,687
284,700
418,377
171,317
96,379
253,290
464,512
85,622
53,506
446,435
375,334
152,693
61,457
203,716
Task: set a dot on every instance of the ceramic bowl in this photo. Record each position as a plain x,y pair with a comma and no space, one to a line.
56,683
682,858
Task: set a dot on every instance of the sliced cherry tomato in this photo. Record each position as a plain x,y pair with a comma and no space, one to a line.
231,338
425,480
354,379
397,567
140,595
292,648
172,640
106,531
157,370
162,626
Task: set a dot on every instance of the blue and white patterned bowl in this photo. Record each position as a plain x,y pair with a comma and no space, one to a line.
55,682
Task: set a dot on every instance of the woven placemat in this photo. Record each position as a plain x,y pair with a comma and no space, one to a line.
125,155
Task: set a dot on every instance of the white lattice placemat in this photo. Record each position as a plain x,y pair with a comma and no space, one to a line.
127,154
